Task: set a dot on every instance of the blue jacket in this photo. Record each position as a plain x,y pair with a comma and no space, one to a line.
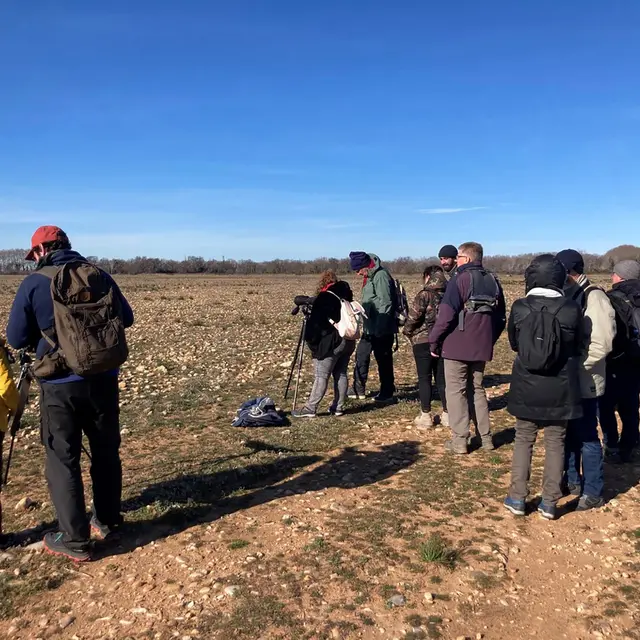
32,310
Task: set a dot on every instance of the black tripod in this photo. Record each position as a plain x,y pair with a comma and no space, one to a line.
299,355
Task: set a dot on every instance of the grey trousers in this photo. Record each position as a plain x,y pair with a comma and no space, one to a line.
461,376
526,434
337,366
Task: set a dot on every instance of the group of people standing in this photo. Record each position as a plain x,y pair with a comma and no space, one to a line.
577,360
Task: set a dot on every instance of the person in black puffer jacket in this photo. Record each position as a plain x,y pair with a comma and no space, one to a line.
543,400
331,353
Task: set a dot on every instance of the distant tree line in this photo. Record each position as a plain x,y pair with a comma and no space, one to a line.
12,262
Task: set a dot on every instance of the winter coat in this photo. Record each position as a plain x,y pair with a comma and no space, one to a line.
622,296
378,300
8,391
481,330
554,397
32,310
424,309
321,336
599,331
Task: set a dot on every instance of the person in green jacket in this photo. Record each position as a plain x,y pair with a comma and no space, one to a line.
380,327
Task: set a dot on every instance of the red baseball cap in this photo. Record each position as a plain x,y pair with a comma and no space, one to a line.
43,235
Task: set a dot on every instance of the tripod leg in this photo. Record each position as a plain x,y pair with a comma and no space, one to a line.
295,394
295,360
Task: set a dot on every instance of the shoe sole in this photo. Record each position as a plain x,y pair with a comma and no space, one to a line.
62,554
298,417
513,510
546,516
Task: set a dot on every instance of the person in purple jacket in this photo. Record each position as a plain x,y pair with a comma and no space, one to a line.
471,317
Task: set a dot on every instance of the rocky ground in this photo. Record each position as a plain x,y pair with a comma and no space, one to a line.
359,527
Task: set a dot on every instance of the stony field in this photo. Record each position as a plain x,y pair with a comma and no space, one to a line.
353,527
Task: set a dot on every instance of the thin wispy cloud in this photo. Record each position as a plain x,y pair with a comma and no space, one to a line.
451,210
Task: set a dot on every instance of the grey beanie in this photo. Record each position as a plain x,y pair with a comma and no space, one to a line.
628,269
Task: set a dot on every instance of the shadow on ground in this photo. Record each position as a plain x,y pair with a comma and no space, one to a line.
203,498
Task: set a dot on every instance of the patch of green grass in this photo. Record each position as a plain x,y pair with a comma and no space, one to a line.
238,544
366,620
436,551
318,544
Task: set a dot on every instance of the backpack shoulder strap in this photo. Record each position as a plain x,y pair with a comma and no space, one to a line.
50,271
335,294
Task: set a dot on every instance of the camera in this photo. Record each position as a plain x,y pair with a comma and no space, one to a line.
302,302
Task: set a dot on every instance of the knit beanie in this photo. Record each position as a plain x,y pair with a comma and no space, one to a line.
628,269
448,251
359,260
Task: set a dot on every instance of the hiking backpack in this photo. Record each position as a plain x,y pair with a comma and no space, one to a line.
628,310
87,337
540,340
484,293
352,316
401,303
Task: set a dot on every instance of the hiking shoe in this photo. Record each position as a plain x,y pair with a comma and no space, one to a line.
103,531
572,490
444,419
424,420
589,502
55,544
385,401
487,443
516,507
303,413
356,395
454,448
547,510
336,412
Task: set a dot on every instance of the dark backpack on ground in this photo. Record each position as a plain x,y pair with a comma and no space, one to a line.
540,340
259,412
627,309
88,336
484,294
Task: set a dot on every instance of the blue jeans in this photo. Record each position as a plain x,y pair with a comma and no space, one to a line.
583,452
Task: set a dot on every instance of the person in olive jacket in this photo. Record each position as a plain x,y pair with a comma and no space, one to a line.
380,326
545,399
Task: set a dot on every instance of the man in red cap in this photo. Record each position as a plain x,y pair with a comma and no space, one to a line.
70,403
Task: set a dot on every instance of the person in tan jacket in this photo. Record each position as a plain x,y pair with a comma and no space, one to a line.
584,468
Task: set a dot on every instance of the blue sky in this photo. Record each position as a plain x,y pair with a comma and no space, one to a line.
281,128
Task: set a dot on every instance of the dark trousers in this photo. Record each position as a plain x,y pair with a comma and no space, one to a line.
382,349
67,411
621,393
583,451
428,368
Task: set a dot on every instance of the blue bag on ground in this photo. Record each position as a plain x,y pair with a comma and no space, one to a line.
259,412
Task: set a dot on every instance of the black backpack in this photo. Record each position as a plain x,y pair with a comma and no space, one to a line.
484,294
540,340
627,309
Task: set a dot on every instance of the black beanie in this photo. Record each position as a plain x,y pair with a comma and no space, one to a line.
448,251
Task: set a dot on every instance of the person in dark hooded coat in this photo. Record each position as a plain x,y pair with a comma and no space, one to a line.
543,399
331,353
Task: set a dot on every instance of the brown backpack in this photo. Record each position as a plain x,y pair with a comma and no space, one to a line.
88,335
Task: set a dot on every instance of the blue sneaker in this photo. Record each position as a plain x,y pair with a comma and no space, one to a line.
547,511
515,506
